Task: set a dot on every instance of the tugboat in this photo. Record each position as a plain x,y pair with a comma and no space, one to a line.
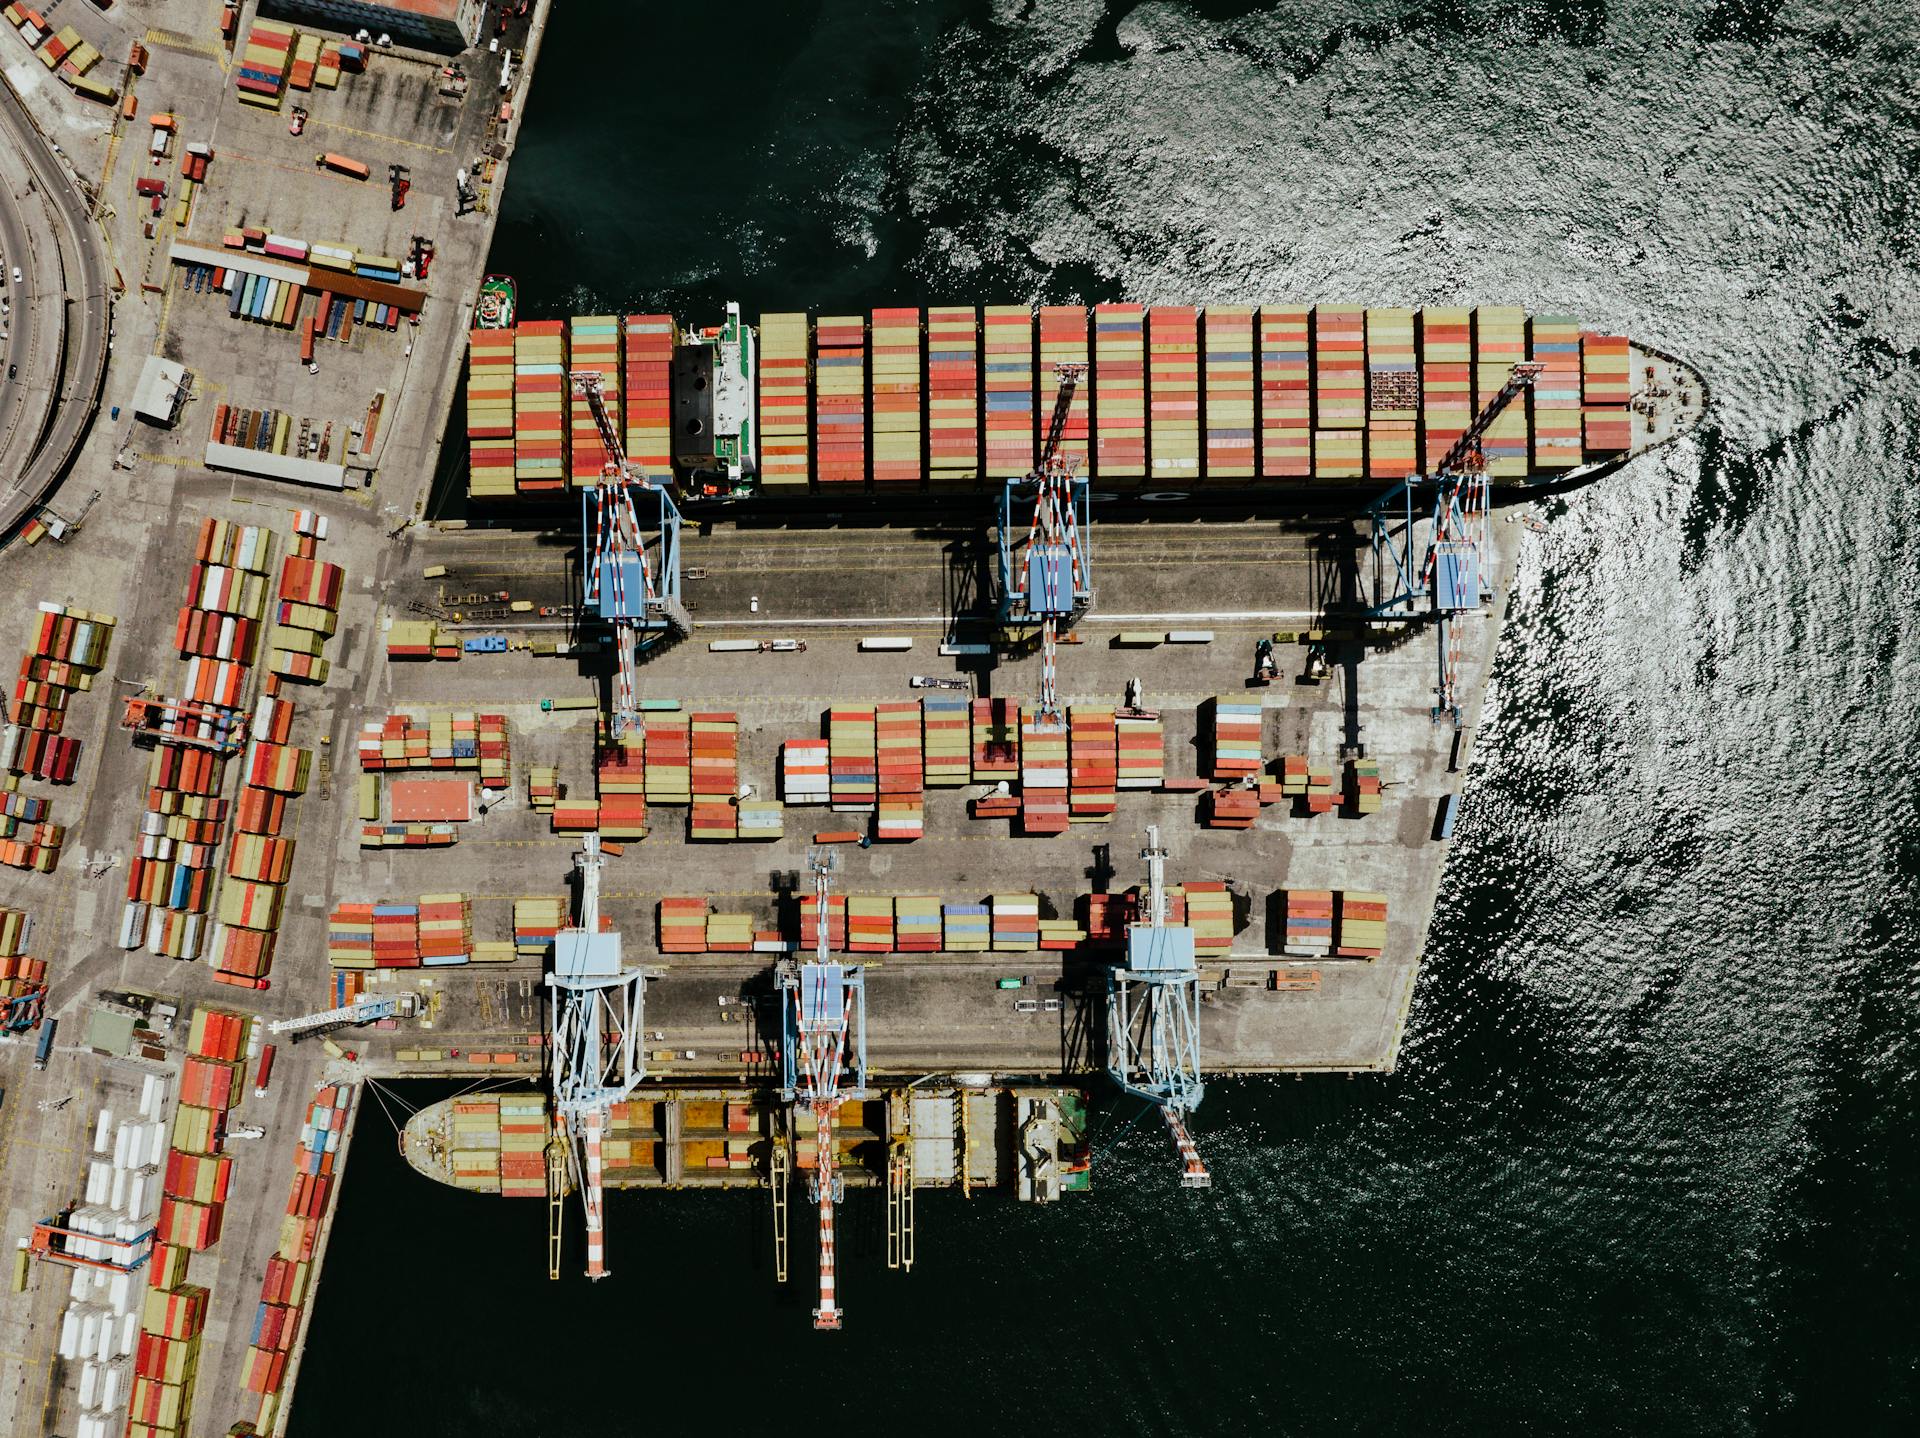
495,309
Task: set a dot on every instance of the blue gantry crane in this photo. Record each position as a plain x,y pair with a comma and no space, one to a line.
1153,1016
823,1051
632,571
1449,575
1050,579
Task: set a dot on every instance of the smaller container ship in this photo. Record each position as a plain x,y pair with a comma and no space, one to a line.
1176,402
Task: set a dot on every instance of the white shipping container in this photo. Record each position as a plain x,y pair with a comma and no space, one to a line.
69,1344
99,1180
89,1383
120,1293
102,1126
156,1144
137,1196
113,1383
117,1192
152,1094
129,1333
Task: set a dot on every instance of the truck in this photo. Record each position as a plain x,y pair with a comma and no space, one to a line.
44,1049
581,701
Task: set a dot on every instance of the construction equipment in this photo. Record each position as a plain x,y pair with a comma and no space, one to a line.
399,182
635,592
152,719
1265,670
1051,581
54,1240
403,1005
1452,572
22,1012
1153,1016
823,1046
596,1009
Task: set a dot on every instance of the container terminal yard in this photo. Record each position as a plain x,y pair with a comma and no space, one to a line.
1106,678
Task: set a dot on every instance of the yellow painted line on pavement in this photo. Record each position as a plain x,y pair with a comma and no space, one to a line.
377,137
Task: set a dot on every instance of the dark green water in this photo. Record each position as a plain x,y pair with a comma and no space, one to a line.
1648,1165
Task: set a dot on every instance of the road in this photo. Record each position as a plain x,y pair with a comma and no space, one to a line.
67,293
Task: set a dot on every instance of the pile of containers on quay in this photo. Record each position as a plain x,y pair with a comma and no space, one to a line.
958,397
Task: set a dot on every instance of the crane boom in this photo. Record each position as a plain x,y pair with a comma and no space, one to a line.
364,1011
1052,581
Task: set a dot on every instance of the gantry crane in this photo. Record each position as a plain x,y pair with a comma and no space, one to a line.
823,1047
596,1006
1153,1016
636,592
1052,580
185,721
1453,571
367,1010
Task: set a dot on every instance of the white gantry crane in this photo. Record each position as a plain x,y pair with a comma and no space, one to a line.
632,574
1153,1016
1452,573
362,1011
596,1007
1051,581
823,1046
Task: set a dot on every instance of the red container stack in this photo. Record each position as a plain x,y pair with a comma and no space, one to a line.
953,397
1063,341
1119,386
840,399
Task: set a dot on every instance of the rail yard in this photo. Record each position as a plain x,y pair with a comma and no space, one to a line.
734,799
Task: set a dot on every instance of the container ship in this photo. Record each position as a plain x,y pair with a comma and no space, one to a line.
1176,401
1031,1140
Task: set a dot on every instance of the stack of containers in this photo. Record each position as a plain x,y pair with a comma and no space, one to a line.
715,776
1340,391
1140,749
575,816
523,1143
262,72
729,933
408,836
761,819
1007,372
647,396
1061,935
852,760
593,343
27,839
669,750
683,926
900,770
1446,380
869,924
1286,392
1554,341
1605,386
996,740
621,778
1499,343
1210,916
1094,773
1043,777
953,397
169,882
1236,737
1173,389
916,924
803,771
836,923
306,55
1016,923
448,739
967,928
1120,393
1363,925
1309,923
943,722
304,617
167,1361
543,787
396,936
784,429
1363,786
1393,395
896,396
69,645
1063,340
840,399
446,929
536,919
1231,808
1229,355
1108,914
1320,796
539,407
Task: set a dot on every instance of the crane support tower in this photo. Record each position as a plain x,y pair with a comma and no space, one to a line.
364,1011
1153,1016
596,1008
1451,575
1050,580
632,572
823,1047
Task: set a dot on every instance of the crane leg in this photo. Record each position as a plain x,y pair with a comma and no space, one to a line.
592,1194
827,1315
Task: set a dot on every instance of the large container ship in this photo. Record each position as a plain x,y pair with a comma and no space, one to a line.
1177,400
1031,1140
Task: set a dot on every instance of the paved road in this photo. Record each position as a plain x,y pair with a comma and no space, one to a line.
69,297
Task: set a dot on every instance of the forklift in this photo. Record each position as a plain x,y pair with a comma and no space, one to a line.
1265,669
399,177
